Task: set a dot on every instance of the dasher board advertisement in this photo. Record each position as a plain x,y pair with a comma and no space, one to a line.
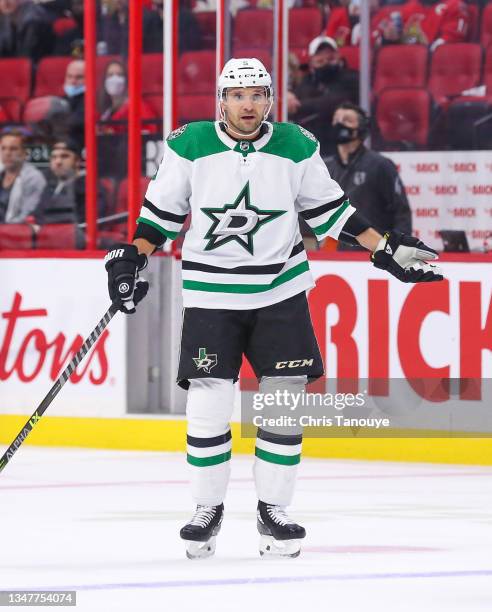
370,325
47,309
448,190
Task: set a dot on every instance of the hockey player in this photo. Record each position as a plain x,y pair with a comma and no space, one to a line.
245,276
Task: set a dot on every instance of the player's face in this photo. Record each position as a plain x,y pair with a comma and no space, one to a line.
12,153
245,107
63,163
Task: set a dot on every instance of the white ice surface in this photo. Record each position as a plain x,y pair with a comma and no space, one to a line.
381,536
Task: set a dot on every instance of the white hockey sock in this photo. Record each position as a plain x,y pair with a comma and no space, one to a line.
208,409
278,454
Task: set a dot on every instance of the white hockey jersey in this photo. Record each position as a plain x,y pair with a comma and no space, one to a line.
243,248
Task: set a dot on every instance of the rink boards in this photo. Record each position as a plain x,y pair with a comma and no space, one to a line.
368,325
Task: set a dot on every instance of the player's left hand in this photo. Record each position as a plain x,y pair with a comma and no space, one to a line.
406,258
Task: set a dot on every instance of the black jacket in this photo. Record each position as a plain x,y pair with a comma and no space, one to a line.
319,99
372,183
26,33
64,202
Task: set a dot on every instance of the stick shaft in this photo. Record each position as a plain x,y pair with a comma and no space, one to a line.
55,389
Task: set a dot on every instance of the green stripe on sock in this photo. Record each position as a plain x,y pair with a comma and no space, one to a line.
321,229
238,288
206,461
280,459
167,233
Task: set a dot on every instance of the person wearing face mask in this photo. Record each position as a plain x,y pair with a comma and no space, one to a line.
369,179
328,83
63,198
74,88
113,103
21,184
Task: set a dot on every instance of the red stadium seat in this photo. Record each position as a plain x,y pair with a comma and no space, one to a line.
351,55
152,73
50,76
122,196
304,24
253,28
401,66
486,34
196,108
454,68
15,76
156,103
16,236
403,115
197,73
56,236
37,109
487,70
109,186
11,110
207,22
264,55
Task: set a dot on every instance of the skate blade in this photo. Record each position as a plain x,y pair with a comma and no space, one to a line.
200,550
269,547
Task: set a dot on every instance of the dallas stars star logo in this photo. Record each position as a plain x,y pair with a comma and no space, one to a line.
238,221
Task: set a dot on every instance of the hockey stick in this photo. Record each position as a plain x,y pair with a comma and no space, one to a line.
55,389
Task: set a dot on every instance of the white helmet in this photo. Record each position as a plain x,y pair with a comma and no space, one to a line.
244,72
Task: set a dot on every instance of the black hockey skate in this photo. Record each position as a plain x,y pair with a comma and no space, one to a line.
280,536
200,533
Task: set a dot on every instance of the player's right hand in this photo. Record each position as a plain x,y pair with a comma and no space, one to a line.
126,289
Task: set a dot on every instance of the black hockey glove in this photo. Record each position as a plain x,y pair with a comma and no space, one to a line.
126,289
406,258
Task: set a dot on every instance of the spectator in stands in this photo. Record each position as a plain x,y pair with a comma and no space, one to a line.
327,84
21,184
370,180
113,102
74,87
428,22
63,198
114,28
72,40
189,34
25,30
341,22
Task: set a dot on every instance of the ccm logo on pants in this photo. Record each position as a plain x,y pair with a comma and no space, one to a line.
297,363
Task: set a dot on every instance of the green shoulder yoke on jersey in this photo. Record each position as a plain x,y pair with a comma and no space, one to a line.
195,140
291,141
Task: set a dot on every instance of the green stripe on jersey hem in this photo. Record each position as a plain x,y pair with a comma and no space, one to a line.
279,459
167,233
207,461
321,229
238,288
